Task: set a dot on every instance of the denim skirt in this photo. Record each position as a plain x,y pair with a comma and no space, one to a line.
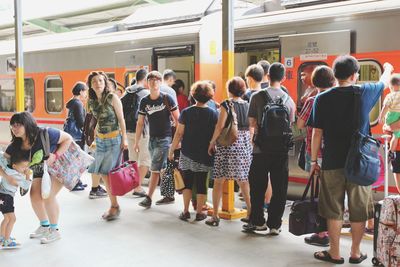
106,155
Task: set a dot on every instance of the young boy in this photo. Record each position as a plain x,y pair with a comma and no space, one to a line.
19,170
390,112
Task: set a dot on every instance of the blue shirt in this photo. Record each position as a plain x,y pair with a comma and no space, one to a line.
333,112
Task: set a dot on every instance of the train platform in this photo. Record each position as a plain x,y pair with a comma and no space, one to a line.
153,237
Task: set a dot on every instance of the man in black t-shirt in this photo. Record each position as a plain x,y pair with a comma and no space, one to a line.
158,108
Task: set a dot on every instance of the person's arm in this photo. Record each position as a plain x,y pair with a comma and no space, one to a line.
116,102
79,115
316,141
11,180
139,130
64,142
387,72
175,116
253,127
223,115
180,130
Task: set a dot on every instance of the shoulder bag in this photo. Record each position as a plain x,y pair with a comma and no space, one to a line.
229,134
362,164
304,218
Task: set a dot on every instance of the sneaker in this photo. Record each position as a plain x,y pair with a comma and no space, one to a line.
51,236
251,227
10,244
39,232
274,231
139,194
165,200
369,231
316,240
98,193
146,202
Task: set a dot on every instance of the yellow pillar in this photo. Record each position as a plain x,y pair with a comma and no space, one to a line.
19,79
19,90
228,55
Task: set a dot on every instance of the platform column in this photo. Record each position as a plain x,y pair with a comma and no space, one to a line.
19,71
228,55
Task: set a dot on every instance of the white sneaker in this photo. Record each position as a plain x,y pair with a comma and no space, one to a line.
51,236
39,232
274,231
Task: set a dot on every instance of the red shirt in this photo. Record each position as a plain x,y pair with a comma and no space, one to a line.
183,102
304,115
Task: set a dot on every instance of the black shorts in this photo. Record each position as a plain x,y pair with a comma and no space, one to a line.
396,163
37,170
6,203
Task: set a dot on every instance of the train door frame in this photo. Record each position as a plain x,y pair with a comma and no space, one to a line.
173,52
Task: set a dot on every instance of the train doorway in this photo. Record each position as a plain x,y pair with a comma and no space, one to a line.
180,59
251,51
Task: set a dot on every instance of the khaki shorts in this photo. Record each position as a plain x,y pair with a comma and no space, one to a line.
143,157
334,185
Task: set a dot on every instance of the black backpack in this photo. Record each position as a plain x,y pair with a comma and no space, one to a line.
274,132
130,106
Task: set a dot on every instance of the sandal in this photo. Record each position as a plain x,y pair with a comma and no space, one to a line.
213,221
359,259
200,216
109,216
184,216
325,256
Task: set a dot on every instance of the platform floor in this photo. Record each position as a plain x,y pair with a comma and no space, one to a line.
154,237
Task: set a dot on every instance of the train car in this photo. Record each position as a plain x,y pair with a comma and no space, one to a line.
301,38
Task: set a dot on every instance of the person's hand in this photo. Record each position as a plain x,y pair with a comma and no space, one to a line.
212,148
171,155
388,66
381,120
51,159
136,148
124,144
315,168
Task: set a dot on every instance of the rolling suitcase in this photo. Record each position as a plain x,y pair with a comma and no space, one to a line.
386,225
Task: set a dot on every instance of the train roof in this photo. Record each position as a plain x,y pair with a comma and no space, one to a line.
102,36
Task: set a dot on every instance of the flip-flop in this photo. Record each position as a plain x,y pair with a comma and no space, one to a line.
358,260
327,257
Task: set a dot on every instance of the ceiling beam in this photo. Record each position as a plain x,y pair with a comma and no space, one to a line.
47,26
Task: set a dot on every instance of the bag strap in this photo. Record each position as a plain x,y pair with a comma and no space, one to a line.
44,136
120,159
268,97
357,109
312,186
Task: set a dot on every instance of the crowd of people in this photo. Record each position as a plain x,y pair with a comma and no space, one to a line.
155,121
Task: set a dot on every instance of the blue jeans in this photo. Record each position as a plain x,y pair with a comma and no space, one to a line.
158,148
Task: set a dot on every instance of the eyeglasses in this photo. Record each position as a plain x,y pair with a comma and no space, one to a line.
16,125
154,80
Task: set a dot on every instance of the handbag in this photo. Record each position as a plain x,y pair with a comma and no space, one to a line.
178,179
362,164
89,127
304,218
70,166
229,134
301,160
124,177
167,185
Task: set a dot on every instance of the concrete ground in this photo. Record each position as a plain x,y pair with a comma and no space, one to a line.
154,237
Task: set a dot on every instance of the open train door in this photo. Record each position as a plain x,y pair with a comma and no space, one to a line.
180,59
129,61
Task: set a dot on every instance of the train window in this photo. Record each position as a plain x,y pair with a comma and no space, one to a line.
54,94
111,75
370,71
248,57
304,85
29,86
7,95
129,75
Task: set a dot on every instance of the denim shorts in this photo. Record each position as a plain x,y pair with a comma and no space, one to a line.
106,155
158,148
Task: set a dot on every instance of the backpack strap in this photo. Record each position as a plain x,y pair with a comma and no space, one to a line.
357,108
44,136
267,96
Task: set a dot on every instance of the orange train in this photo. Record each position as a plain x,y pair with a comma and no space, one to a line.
301,38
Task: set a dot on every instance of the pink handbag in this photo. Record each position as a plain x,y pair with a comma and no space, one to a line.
124,177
